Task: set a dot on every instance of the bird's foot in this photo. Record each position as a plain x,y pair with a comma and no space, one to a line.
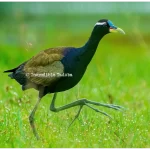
88,102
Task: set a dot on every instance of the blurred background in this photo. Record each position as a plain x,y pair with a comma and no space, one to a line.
35,26
118,73
32,26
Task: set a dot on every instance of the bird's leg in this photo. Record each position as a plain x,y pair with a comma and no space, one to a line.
31,117
81,103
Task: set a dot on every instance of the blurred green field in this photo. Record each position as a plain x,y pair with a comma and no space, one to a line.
118,74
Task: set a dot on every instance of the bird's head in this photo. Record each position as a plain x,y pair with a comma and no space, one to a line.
107,27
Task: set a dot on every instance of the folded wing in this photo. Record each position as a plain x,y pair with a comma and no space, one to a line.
43,69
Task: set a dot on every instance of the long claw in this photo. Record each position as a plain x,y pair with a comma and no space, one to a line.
116,107
120,108
76,116
99,111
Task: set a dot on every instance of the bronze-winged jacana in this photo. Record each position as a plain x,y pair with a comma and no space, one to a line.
56,62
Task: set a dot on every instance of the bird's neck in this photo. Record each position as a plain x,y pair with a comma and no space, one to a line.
89,49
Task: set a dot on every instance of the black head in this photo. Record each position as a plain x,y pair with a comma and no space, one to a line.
106,26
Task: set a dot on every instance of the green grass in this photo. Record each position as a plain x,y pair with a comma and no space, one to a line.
118,74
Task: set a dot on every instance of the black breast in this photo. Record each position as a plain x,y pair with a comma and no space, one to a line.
73,73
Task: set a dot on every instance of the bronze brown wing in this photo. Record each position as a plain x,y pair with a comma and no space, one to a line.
42,69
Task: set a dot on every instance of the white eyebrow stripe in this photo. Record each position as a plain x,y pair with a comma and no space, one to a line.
100,23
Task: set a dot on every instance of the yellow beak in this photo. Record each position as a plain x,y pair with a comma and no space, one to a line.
116,30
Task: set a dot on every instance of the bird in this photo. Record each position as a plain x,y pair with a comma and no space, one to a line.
59,69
